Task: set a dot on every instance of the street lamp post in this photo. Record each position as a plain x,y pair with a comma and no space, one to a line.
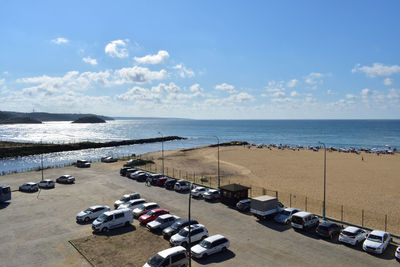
162,151
219,181
324,203
190,239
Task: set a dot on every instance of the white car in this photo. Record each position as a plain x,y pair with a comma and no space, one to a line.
91,213
29,187
397,253
197,232
133,204
352,235
285,216
125,198
169,257
377,242
142,209
198,191
182,185
112,219
162,222
210,245
211,194
47,184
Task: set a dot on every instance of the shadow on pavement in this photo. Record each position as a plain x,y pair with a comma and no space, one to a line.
274,226
118,231
4,205
308,232
216,258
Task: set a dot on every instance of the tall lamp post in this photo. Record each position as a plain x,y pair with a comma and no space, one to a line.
324,204
162,151
219,182
190,239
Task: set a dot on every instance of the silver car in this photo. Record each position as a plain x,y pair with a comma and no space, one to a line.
162,222
285,215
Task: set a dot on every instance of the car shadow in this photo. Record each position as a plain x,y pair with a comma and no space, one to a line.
213,201
308,232
118,231
85,223
216,258
241,211
183,192
274,226
4,205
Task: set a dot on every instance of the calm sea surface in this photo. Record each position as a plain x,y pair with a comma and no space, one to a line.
336,133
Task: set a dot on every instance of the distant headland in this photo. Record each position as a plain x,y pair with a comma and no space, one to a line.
90,119
11,117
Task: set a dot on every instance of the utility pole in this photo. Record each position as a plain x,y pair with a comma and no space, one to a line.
162,151
219,182
324,204
190,239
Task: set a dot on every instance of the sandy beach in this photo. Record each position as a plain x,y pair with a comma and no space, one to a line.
358,182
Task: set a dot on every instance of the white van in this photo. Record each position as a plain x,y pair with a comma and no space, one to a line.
303,220
112,219
175,256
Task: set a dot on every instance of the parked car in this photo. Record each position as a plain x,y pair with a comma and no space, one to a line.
198,191
144,208
154,178
123,170
210,245
151,215
169,257
91,213
161,181
47,184
244,205
142,177
108,159
304,220
134,174
328,229
112,219
176,227
82,164
264,206
66,179
162,222
29,187
397,253
352,235
130,171
285,216
182,185
132,204
377,242
170,183
125,198
197,233
211,194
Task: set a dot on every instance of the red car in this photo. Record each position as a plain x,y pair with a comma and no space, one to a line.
152,215
161,181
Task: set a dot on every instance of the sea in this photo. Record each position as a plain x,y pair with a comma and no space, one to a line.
379,134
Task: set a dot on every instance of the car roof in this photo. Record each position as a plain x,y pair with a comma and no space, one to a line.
165,253
378,232
351,229
195,226
326,223
111,212
97,206
182,221
290,209
148,204
302,214
136,200
166,216
214,237
212,190
31,183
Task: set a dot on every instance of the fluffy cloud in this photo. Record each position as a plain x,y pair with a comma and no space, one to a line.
117,48
90,61
166,88
376,70
294,93
314,78
139,93
195,88
330,92
388,82
365,92
60,40
2,81
138,74
232,99
351,96
183,72
160,57
292,83
226,87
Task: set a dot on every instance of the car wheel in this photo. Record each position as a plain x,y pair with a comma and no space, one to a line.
104,230
126,224
224,249
86,219
184,244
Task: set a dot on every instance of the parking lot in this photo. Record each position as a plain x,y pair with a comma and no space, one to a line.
35,229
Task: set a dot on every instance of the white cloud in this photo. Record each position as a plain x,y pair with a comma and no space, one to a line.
138,74
166,88
351,96
195,88
90,60
2,81
183,71
60,40
278,94
139,93
117,48
232,99
314,78
365,92
330,92
226,87
160,57
292,83
376,70
294,93
388,82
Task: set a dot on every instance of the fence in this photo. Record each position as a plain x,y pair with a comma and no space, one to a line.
345,213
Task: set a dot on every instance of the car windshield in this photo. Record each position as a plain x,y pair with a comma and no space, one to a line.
375,238
176,225
286,212
102,218
323,228
205,244
184,232
160,220
123,199
156,260
150,213
348,233
88,210
141,207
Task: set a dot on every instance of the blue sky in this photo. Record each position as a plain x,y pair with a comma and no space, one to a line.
202,59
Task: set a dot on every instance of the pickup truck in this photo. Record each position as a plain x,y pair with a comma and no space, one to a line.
264,206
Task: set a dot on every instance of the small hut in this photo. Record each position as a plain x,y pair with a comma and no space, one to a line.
233,193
